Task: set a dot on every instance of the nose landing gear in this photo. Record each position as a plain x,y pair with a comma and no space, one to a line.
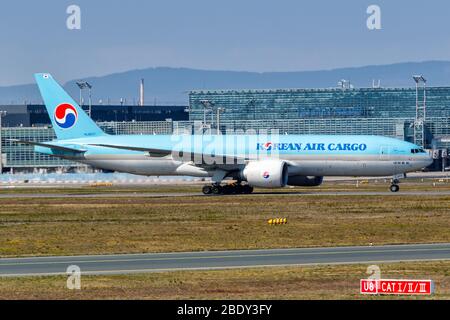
394,185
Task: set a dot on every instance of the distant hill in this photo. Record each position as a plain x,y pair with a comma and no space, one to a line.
165,85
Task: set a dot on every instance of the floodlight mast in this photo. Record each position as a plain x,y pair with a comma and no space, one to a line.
219,110
83,85
419,121
2,113
207,105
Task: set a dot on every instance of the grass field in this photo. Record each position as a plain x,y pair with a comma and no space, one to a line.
66,226
321,282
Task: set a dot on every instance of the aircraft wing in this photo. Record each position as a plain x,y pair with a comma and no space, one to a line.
164,152
152,151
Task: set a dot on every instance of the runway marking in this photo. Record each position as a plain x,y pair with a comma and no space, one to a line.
211,257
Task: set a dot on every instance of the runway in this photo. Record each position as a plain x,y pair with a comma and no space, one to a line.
199,193
208,260
100,195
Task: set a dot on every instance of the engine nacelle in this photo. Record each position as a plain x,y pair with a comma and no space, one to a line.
305,181
266,173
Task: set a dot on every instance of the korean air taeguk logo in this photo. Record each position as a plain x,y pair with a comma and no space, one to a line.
266,146
65,115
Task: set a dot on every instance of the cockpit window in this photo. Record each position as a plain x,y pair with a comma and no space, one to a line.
421,150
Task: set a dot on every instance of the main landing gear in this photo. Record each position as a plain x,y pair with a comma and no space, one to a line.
234,188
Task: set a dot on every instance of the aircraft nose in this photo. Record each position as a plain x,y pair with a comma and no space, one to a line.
428,159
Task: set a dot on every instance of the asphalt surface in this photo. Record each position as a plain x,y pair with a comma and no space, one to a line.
158,262
199,193
99,195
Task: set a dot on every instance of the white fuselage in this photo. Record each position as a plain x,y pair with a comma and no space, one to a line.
308,155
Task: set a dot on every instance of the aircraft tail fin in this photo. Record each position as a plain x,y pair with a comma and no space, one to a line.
68,119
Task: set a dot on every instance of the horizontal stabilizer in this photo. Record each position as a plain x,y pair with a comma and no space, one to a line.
71,148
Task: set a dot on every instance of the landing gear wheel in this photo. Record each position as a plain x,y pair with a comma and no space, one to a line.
207,189
216,189
394,188
246,189
227,189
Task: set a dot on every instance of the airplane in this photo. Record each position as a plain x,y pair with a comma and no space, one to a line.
265,161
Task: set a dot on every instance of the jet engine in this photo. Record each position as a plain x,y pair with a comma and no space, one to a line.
266,173
305,181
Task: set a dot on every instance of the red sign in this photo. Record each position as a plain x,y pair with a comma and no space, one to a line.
388,286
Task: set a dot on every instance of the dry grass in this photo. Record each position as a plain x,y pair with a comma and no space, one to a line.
324,282
73,225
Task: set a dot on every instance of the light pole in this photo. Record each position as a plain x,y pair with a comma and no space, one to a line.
207,105
2,113
419,122
219,110
83,85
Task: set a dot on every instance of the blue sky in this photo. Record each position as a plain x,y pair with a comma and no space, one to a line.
253,35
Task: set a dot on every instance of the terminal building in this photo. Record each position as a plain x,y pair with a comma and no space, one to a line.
380,111
420,115
33,115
